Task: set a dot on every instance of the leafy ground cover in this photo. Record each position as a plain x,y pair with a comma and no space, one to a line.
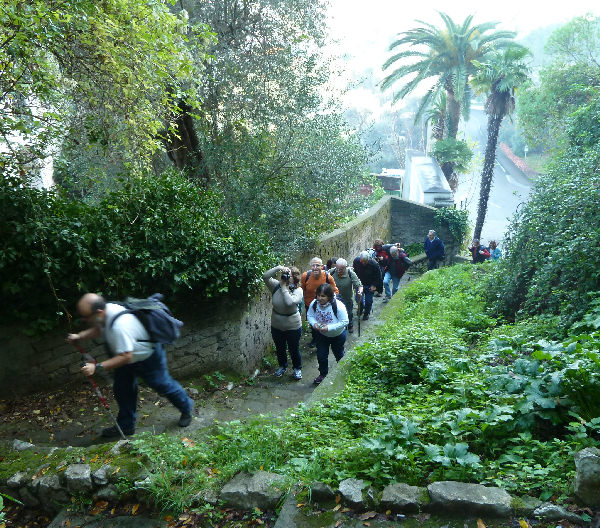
442,392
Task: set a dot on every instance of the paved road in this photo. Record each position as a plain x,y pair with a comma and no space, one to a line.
509,188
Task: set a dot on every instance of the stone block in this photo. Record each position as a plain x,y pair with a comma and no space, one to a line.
351,492
587,477
459,497
20,445
261,490
402,498
79,478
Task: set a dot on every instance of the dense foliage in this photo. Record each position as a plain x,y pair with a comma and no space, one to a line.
153,234
565,84
552,247
457,221
441,393
112,71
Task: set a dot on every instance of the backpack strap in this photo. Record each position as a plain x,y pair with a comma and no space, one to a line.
132,312
275,289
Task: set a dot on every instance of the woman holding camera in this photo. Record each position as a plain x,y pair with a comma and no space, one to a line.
286,323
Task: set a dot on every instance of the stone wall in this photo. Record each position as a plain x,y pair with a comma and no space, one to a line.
411,221
354,237
223,334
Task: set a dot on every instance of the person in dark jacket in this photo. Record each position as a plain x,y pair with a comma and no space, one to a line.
479,253
434,249
368,272
397,265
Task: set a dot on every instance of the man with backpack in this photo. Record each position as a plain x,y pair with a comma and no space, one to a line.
346,280
397,265
370,277
133,354
309,283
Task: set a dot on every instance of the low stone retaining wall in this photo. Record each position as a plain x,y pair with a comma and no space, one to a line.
49,484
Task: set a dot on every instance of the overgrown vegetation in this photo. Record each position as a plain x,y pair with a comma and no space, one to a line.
443,392
151,234
552,247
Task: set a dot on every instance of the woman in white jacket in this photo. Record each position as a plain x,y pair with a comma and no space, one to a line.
330,319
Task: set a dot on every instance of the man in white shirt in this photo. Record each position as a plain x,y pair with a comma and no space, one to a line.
133,356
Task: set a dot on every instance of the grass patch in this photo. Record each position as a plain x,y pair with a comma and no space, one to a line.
442,391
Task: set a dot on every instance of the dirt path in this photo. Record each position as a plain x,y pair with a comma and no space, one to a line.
74,416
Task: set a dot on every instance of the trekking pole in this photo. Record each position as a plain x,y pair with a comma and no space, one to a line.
359,310
90,359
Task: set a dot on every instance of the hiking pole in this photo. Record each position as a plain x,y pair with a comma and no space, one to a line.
359,310
87,357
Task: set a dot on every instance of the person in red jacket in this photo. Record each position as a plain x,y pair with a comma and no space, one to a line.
479,253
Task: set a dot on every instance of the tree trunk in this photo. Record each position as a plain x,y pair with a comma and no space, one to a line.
453,109
183,147
487,174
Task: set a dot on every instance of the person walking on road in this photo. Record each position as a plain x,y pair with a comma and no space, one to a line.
286,321
369,275
347,280
434,249
329,319
133,355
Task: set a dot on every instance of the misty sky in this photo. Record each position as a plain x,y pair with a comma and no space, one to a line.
365,29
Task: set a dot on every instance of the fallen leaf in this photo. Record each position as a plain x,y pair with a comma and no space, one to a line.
188,442
339,523
116,470
99,507
388,512
169,518
366,524
345,510
95,459
523,523
480,524
338,498
134,509
367,515
337,507
300,504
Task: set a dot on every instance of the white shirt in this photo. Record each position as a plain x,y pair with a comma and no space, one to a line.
127,334
324,315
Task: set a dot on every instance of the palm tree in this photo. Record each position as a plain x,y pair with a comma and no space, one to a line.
500,73
446,56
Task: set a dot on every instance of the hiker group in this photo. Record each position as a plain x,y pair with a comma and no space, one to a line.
135,332
326,294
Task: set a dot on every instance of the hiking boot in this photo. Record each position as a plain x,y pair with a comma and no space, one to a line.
111,432
318,379
297,375
350,328
386,299
186,418
366,317
280,372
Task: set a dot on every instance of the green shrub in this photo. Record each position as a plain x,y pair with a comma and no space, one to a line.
552,247
153,234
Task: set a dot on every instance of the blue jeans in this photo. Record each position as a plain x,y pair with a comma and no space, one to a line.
337,347
367,299
154,372
388,277
287,340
